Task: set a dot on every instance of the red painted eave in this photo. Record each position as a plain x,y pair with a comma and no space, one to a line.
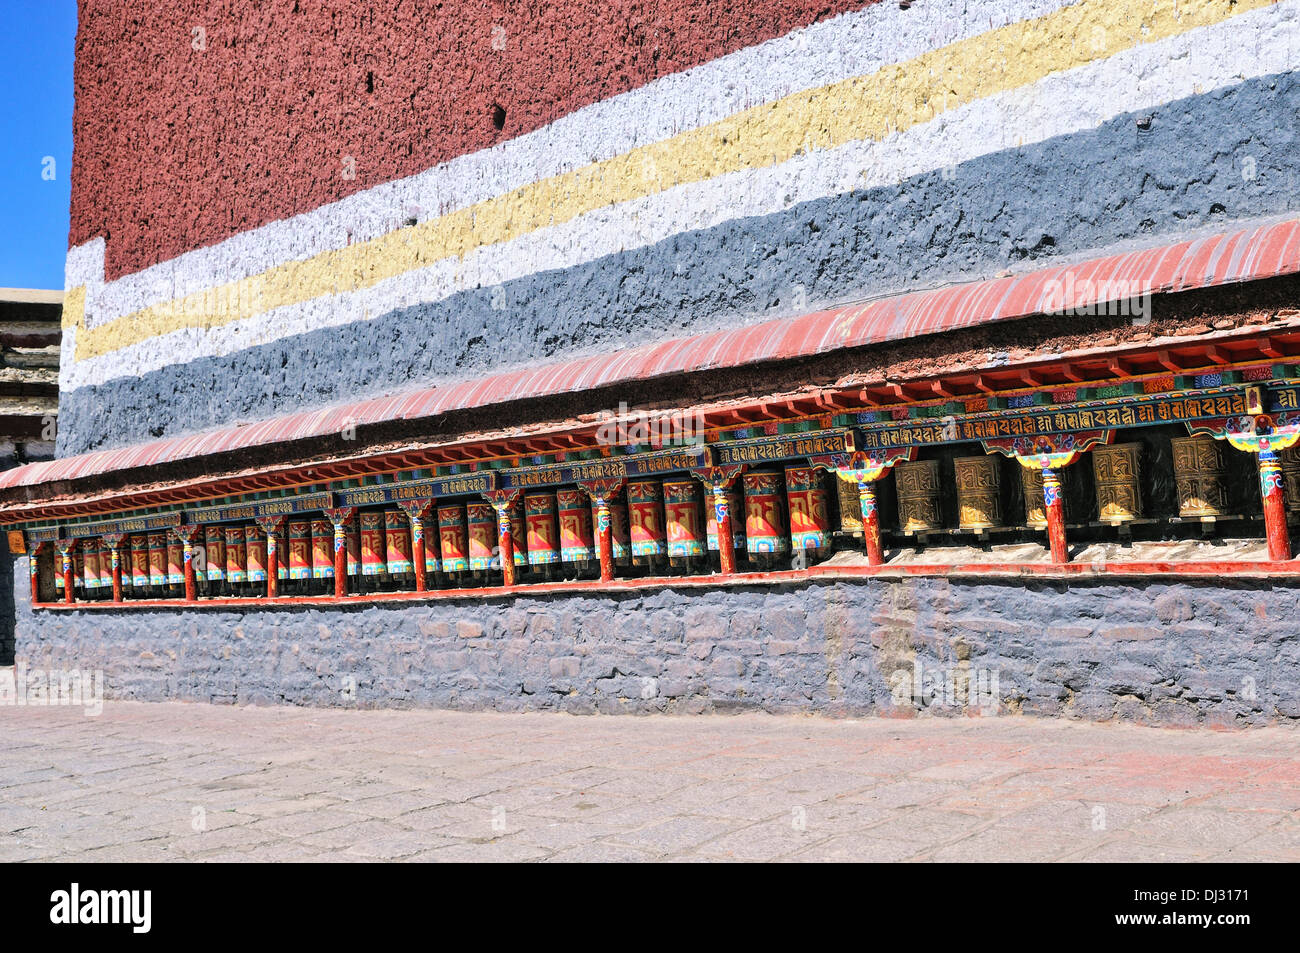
1256,253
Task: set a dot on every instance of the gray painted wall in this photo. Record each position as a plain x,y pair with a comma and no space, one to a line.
1154,651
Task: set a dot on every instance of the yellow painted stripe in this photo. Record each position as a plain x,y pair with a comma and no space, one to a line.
863,108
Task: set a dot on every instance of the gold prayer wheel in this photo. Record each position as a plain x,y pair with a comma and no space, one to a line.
917,483
1290,460
1118,470
1035,507
1198,471
850,505
979,492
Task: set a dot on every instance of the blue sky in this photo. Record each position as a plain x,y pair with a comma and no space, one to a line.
36,45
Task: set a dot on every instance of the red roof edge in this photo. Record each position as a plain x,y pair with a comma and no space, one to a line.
1253,253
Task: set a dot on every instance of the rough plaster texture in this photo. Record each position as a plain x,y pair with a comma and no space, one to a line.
864,132
321,80
1070,194
829,52
1175,653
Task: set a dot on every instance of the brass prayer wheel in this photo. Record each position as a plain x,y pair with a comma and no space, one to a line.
850,505
1198,471
979,492
1035,508
1117,470
1290,460
917,483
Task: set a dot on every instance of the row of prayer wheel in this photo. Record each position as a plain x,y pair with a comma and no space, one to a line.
152,566
773,511
672,520
1199,472
668,520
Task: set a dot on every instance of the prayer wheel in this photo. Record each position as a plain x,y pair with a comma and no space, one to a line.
157,565
58,573
236,560
322,557
1290,460
255,547
79,572
543,534
645,511
620,544
765,523
105,553
481,521
519,533
917,483
397,549
810,521
683,521
123,561
140,567
850,505
979,492
1198,472
429,530
453,539
281,556
1031,481
374,564
736,510
299,557
212,542
90,568
576,543
175,566
1117,473
352,549
105,569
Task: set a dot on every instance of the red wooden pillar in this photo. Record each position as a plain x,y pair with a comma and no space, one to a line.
502,501
417,511
114,542
340,517
1270,489
417,552
186,534
1055,516
870,522
726,542
604,539
65,567
506,544
34,571
601,492
270,525
716,480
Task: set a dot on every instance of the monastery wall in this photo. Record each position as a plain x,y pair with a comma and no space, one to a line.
308,204
1222,652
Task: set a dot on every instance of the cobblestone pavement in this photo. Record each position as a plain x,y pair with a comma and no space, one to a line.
197,782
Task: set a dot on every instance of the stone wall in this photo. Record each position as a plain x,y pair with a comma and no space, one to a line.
1157,651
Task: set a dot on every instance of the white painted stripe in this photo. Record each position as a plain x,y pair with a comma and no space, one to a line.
1144,77
853,44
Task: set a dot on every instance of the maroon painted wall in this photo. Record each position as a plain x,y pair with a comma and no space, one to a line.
178,147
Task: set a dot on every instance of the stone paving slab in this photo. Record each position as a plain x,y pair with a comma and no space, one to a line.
192,782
